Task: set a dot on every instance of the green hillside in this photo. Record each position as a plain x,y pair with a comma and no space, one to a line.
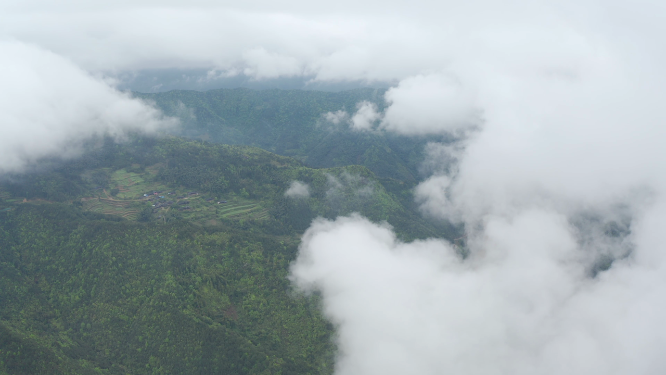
177,179
171,256
98,296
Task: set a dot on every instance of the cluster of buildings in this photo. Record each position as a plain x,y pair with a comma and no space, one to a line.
160,202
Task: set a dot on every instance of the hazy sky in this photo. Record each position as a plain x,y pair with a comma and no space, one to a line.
559,166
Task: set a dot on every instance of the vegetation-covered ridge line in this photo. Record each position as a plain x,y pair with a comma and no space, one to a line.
176,179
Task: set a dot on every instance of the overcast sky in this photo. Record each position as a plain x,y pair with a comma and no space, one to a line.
374,40
559,166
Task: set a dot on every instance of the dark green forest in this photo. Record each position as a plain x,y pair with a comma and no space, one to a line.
80,295
170,255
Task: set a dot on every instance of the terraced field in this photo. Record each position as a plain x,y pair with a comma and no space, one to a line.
177,201
197,207
127,209
7,197
242,210
236,208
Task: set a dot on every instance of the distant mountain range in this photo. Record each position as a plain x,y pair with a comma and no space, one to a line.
292,123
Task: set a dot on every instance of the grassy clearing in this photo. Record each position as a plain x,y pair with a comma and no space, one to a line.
133,185
236,208
238,212
228,208
242,210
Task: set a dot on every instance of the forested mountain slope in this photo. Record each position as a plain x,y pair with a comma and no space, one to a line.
124,297
171,256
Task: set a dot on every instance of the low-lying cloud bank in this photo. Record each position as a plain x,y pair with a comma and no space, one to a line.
522,303
559,176
49,106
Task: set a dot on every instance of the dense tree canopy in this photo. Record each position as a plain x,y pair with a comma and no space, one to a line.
171,256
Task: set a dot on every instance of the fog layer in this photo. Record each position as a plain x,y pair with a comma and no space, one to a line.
49,106
558,177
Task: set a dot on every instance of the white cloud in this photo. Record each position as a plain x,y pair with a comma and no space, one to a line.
365,117
431,196
426,104
337,117
298,189
441,158
262,64
567,150
345,41
521,304
48,106
348,187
